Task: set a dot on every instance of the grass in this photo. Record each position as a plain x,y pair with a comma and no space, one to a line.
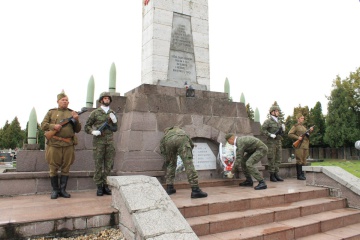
351,166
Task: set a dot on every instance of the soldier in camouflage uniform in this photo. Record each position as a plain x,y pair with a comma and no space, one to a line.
249,151
302,152
273,129
103,142
60,149
176,142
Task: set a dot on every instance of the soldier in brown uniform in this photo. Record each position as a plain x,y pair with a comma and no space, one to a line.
60,149
302,152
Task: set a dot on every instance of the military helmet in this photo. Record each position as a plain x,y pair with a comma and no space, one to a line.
273,108
104,94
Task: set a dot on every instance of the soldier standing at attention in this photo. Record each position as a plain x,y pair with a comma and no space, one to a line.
302,152
255,149
103,142
176,142
60,149
273,129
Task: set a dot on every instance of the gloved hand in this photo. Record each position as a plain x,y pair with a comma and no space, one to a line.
273,136
96,133
113,118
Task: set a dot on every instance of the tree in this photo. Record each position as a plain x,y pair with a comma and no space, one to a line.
287,142
342,121
317,118
11,135
250,112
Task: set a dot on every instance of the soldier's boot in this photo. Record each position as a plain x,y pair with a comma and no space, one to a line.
63,183
170,189
55,186
247,183
278,178
272,177
106,190
197,193
261,185
100,190
299,172
302,173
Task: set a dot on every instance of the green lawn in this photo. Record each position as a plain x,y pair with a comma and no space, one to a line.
352,166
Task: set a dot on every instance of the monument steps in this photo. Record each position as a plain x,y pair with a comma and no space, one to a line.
286,210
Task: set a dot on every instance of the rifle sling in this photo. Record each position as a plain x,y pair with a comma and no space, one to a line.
68,140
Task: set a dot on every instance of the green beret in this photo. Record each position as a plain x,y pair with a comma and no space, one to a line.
229,135
61,95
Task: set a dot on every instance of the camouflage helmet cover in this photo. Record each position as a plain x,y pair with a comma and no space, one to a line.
104,94
273,108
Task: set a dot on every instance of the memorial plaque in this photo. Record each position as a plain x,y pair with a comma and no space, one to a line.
204,158
181,58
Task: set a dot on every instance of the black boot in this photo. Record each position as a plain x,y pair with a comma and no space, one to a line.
100,190
55,187
170,189
299,172
302,173
261,185
63,183
197,193
247,183
106,190
278,178
272,177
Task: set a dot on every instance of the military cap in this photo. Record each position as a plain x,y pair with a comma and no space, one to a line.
61,95
299,115
229,135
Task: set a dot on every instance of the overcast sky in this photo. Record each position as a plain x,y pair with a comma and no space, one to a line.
280,50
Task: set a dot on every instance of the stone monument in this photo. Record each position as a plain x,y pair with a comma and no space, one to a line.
176,43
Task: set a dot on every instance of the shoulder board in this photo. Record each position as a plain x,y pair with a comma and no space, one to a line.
70,109
52,109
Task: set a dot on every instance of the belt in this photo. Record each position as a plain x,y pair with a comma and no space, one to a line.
68,140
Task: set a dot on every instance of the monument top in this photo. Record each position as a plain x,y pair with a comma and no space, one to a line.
175,44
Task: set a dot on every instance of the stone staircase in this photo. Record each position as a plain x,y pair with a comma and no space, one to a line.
286,210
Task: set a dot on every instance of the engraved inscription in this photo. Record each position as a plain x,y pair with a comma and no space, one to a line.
204,158
181,58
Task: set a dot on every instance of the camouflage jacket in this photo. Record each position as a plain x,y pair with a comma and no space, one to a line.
171,132
270,126
247,144
96,119
53,117
296,131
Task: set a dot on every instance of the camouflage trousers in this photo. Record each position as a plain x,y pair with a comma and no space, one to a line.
103,155
301,155
249,161
60,158
180,145
274,156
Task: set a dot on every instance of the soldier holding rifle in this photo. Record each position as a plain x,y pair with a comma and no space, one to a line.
60,150
300,133
273,129
102,123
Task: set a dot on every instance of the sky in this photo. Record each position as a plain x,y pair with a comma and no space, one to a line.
280,50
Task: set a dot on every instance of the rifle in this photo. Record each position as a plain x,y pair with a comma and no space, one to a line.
106,123
51,133
280,131
298,142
